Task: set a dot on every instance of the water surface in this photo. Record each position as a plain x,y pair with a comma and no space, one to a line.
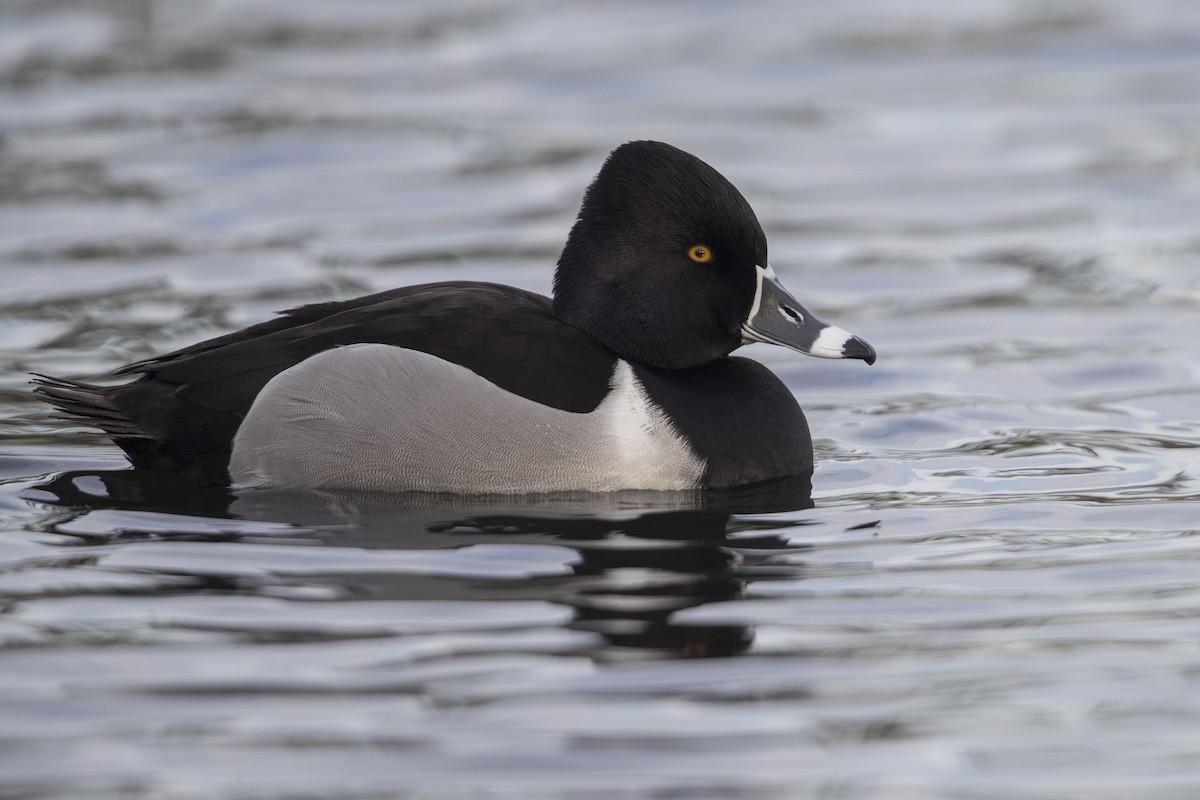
993,593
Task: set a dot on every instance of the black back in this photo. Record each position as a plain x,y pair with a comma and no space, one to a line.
183,412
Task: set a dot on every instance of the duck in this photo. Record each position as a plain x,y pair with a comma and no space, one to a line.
623,379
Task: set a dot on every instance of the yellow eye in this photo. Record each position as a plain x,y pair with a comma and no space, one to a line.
701,253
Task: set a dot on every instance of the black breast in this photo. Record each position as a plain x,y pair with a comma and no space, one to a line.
738,416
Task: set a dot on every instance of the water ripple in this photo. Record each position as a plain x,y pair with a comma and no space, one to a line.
993,595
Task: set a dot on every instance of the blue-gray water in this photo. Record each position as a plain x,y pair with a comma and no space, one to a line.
996,593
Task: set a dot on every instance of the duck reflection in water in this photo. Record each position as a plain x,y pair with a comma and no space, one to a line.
640,557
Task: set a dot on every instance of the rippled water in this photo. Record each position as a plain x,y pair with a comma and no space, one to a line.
995,594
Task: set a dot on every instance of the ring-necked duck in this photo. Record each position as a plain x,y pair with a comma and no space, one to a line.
623,380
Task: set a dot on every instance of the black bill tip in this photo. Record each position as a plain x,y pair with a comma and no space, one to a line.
857,348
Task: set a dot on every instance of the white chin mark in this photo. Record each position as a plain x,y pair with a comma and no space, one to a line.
761,274
831,343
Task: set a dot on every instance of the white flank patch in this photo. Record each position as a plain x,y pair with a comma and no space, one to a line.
376,417
644,441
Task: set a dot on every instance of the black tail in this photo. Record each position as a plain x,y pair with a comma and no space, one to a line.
88,404
156,429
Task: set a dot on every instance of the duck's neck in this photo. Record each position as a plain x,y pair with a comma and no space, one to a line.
635,328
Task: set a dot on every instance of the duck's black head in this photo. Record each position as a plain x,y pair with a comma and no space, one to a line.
667,266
